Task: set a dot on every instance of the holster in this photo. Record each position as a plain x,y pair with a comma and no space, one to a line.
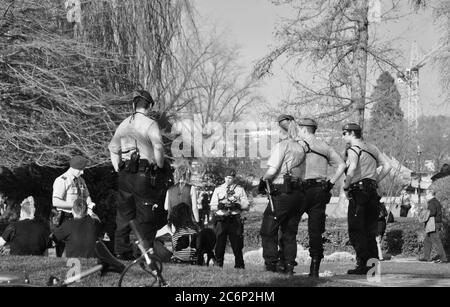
287,184
152,172
365,185
133,164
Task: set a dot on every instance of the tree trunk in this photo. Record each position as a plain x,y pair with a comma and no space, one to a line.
359,69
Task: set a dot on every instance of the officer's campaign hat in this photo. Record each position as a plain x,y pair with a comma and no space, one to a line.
285,117
78,163
308,122
351,127
144,95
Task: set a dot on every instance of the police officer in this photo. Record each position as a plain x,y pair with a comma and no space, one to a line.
360,186
227,202
318,186
137,154
67,188
284,172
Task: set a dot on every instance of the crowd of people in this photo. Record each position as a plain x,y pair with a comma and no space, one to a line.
302,171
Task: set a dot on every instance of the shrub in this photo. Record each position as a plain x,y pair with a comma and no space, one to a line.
403,238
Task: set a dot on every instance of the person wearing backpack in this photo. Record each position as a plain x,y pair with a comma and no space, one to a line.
360,186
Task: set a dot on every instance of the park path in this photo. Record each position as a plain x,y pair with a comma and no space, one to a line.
405,272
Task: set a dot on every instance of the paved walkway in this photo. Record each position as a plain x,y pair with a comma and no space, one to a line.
404,272
399,280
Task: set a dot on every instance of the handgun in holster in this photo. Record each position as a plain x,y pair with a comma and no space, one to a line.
287,183
133,164
152,173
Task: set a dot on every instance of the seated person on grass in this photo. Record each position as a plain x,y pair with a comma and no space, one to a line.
185,234
28,236
9,209
79,234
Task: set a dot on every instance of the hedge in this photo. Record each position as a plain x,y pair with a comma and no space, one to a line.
403,238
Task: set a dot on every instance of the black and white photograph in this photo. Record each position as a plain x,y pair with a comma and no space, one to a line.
225,150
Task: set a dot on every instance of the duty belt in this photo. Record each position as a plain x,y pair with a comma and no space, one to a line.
296,185
309,183
143,165
365,184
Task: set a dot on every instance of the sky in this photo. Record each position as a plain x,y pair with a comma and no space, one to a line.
251,25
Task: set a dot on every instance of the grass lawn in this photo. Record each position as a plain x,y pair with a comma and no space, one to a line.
39,270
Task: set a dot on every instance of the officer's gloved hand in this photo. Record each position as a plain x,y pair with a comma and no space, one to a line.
262,187
329,186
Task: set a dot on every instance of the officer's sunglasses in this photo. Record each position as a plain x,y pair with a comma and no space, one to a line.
345,133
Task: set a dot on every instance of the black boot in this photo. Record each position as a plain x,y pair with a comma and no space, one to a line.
271,267
314,268
281,267
361,268
290,270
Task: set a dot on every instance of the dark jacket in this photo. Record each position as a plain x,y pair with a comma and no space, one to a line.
27,237
80,236
435,210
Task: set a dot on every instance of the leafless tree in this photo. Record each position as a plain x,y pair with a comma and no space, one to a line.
331,38
64,91
222,91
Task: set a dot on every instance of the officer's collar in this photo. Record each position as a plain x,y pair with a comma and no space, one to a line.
71,175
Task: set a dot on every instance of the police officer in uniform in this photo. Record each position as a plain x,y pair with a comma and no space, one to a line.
284,173
360,186
227,202
137,154
67,188
319,156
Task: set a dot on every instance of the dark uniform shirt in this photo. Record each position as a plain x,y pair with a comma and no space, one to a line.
80,236
27,237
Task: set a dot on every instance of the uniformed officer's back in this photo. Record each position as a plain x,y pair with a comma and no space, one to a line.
134,132
287,157
361,185
137,154
317,186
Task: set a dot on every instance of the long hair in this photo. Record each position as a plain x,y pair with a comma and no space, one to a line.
293,132
182,171
181,216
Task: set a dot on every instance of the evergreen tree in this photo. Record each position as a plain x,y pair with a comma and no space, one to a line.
386,123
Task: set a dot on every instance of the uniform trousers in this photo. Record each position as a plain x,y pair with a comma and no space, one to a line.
363,212
315,203
233,228
142,202
279,230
